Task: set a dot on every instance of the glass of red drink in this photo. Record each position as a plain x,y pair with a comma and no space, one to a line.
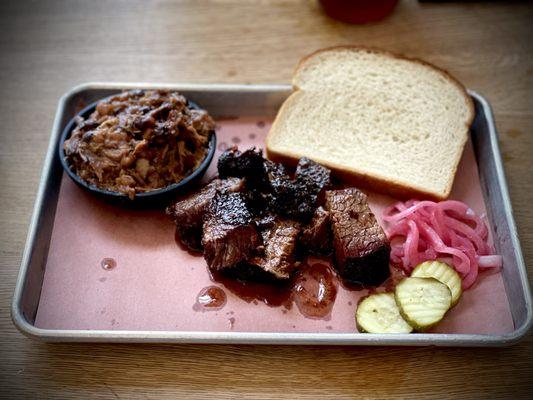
358,11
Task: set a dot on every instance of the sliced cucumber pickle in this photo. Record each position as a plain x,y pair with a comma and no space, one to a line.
378,313
423,301
443,273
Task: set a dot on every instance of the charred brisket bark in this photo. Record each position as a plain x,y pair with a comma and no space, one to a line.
230,235
188,214
247,164
311,180
271,187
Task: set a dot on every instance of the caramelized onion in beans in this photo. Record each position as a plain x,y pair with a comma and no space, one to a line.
425,230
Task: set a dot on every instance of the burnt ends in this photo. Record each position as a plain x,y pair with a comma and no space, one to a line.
257,221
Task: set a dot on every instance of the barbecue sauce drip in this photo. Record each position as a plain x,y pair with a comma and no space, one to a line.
108,263
209,299
273,295
315,290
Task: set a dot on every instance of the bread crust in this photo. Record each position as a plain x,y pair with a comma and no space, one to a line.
373,182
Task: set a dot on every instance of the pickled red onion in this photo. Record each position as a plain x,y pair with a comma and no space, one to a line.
446,229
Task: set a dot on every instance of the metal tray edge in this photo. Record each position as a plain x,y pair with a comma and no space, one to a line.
508,209
16,308
455,340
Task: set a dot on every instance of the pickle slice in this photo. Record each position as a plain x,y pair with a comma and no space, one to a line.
443,273
423,301
379,313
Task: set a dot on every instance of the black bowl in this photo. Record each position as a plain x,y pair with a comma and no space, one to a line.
157,197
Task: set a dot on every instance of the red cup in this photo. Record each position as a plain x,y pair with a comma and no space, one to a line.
358,11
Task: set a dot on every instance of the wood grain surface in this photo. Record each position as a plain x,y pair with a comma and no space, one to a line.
46,47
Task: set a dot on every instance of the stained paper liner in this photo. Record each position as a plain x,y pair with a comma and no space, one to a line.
155,284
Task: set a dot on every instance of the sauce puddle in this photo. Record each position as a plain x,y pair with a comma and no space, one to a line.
315,290
108,263
253,292
210,298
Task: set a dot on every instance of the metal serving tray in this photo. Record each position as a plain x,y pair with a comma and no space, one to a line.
251,100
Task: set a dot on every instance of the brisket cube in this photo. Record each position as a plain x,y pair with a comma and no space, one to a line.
278,251
316,236
311,180
230,235
246,164
361,248
271,187
265,221
312,176
301,196
297,198
188,213
250,165
281,192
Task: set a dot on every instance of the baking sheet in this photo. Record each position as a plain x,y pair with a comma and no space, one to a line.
155,284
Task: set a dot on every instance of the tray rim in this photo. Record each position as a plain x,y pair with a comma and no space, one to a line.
276,338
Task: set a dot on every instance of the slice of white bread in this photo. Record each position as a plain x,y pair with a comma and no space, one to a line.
379,120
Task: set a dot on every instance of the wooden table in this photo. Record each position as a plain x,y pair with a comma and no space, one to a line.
46,47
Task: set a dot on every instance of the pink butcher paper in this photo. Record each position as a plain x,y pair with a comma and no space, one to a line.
154,284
